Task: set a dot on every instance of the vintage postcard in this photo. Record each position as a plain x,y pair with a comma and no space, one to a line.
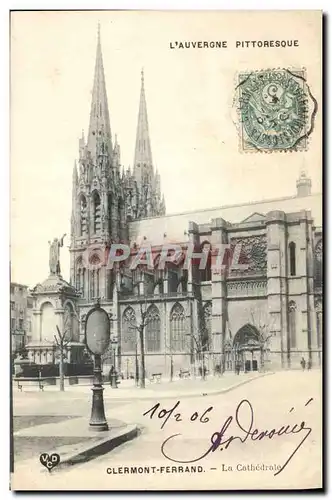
166,292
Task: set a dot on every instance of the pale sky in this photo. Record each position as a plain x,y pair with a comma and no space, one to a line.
189,95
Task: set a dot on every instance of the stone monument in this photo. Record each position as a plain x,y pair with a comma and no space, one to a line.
55,305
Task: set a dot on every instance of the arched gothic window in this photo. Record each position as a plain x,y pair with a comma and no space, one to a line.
78,279
208,326
319,318
148,283
292,323
292,258
80,276
83,272
96,213
109,207
173,280
184,281
128,336
97,285
205,273
318,264
121,212
178,330
94,283
152,331
83,226
247,335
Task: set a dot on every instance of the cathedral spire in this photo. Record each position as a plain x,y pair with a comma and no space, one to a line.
143,156
99,137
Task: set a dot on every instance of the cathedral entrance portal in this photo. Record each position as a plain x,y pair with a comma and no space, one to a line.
246,349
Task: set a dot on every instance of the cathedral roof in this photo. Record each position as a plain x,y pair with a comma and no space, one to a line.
173,228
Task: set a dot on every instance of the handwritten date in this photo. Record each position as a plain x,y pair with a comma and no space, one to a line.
165,415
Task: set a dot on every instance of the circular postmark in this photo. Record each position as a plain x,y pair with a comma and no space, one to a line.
276,110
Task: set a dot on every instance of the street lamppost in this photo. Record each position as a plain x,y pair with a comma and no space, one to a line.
236,358
136,366
114,356
127,368
97,339
171,369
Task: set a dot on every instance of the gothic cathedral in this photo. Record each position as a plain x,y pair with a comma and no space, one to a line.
267,316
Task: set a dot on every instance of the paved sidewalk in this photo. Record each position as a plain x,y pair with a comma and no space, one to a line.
75,443
72,440
163,390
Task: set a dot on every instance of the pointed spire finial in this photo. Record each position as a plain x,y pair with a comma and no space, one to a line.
98,32
99,135
303,170
143,156
147,183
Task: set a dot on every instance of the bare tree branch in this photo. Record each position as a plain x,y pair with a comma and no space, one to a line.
61,335
66,342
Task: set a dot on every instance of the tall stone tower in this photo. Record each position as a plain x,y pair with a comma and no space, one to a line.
303,184
104,197
98,199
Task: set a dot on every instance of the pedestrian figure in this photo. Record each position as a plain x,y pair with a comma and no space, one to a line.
113,377
303,364
309,364
111,373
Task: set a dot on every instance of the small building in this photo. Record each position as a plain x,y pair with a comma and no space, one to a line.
21,304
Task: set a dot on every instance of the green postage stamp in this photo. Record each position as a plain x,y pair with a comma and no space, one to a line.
276,110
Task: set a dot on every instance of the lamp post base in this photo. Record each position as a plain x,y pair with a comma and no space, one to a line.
98,420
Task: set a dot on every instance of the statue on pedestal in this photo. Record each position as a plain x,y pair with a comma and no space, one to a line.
55,255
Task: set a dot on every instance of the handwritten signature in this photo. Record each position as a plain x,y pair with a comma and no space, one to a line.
244,410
